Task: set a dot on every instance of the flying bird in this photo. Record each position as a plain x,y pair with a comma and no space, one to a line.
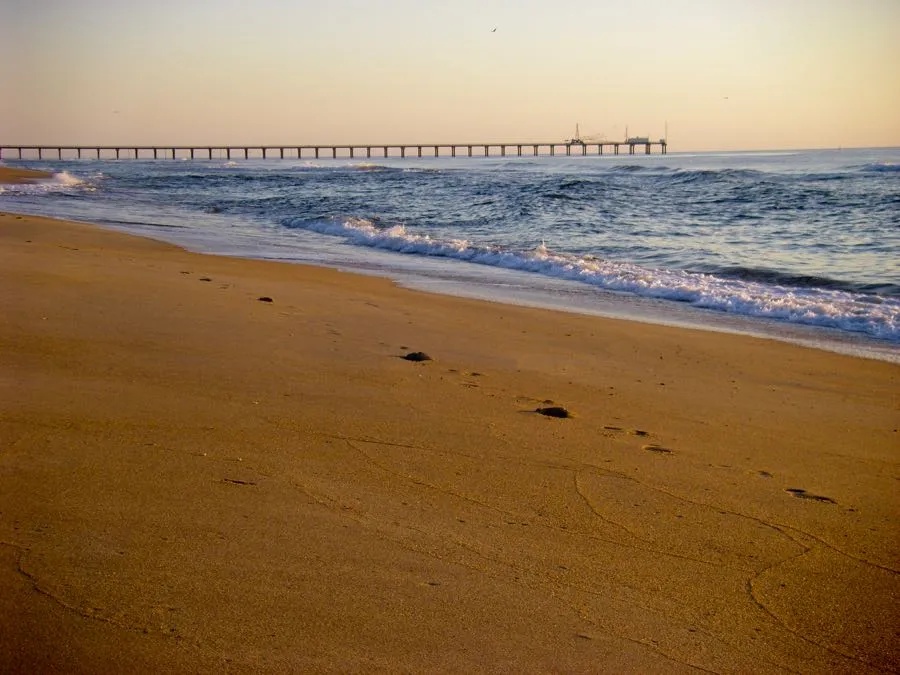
494,29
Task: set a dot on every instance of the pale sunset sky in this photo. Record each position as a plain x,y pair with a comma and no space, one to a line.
718,74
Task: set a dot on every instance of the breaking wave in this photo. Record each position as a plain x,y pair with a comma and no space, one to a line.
59,182
874,316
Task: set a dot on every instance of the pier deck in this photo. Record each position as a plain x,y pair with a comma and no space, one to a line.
339,151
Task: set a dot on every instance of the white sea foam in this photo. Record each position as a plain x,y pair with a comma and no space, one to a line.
876,317
65,178
59,182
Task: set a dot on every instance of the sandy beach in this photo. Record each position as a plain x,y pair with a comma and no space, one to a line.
212,464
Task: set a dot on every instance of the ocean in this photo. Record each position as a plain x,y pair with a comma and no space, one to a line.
802,246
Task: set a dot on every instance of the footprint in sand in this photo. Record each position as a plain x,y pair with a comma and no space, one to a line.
800,493
236,481
469,384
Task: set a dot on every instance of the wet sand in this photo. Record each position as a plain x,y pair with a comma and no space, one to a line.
210,463
10,174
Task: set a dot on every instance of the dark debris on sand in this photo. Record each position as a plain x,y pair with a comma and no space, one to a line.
554,411
417,356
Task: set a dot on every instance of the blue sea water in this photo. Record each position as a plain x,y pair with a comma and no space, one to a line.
801,246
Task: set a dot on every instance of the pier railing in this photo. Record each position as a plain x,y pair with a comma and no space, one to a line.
340,151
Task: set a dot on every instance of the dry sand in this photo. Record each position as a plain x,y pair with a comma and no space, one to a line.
195,479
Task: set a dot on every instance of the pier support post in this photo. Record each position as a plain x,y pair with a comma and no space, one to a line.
552,150
246,153
487,151
40,153
453,151
334,152
470,150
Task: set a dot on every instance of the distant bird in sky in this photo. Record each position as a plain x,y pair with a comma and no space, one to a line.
494,29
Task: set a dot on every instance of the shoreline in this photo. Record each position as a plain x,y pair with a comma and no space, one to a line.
650,311
658,312
224,462
495,284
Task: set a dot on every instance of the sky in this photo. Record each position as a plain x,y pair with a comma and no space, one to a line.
709,74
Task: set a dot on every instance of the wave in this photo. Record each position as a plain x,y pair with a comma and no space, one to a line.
636,168
875,316
67,179
880,167
776,278
62,181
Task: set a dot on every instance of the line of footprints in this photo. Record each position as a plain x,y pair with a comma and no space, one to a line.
548,408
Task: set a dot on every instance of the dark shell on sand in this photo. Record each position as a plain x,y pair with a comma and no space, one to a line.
554,411
265,298
417,356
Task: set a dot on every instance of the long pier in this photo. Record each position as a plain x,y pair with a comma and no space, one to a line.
341,151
